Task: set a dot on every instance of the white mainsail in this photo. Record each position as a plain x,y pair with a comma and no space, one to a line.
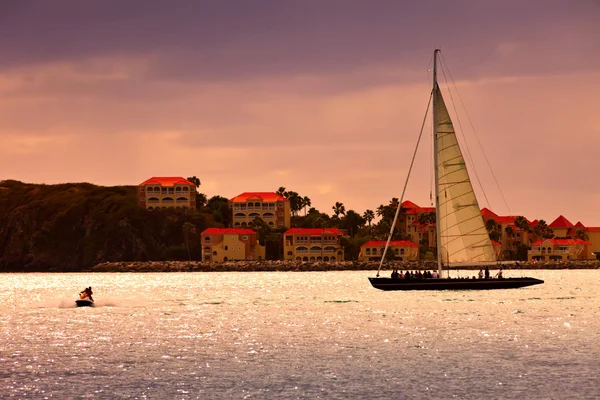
463,236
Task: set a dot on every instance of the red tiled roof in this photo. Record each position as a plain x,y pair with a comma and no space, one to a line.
561,222
409,204
262,196
488,213
167,181
592,229
228,231
412,208
313,231
579,225
508,219
397,243
563,242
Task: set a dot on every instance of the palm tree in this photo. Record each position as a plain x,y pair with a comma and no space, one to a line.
295,202
426,218
580,234
493,229
194,180
510,234
338,209
369,216
543,231
281,191
305,203
522,223
188,228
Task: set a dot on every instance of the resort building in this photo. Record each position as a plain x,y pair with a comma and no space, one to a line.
560,250
403,250
510,234
411,221
228,244
269,206
562,227
166,192
593,235
313,244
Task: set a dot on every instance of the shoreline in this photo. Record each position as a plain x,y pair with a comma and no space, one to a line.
293,266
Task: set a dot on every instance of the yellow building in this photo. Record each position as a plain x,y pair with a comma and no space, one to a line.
408,221
562,227
269,206
166,192
560,250
228,244
313,244
593,234
404,250
514,235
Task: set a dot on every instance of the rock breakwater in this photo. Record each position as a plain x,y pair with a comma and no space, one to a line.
255,266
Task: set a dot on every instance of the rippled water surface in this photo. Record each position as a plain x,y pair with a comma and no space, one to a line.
302,335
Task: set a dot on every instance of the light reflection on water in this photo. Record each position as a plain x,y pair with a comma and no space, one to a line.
295,335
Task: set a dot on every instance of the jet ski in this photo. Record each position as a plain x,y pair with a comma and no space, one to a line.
84,300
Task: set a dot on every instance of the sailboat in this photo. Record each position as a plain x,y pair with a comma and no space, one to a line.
462,239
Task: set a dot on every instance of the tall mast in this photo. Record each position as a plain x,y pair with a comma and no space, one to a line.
435,165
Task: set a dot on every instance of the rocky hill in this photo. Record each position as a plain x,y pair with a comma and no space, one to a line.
74,226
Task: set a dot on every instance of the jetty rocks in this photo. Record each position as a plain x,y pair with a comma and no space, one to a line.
296,266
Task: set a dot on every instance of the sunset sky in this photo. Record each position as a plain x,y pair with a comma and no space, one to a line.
323,97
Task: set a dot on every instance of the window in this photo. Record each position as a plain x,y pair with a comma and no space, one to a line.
226,248
244,237
280,205
142,190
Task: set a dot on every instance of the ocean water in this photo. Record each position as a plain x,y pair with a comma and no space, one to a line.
296,335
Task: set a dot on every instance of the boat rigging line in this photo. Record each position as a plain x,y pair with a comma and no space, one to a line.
412,162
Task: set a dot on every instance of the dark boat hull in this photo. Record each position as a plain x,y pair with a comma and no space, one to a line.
84,303
452,284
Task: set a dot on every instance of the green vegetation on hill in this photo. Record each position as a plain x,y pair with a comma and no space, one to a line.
74,226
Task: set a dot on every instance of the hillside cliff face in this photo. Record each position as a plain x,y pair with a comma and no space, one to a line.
74,226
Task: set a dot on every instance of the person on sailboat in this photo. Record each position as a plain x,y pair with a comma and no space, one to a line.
487,273
480,274
499,274
395,274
